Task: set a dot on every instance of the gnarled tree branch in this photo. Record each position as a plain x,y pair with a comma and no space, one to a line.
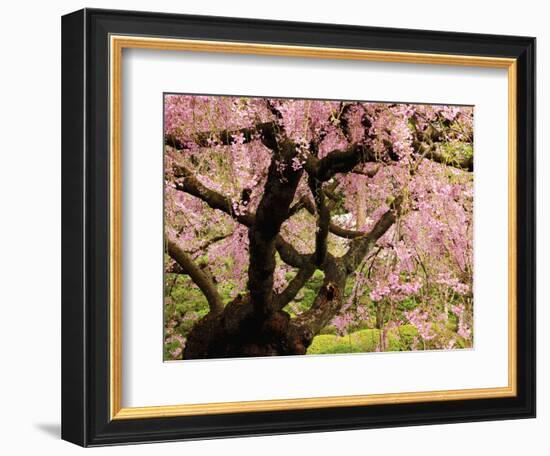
329,300
263,131
295,285
430,151
337,161
215,200
322,221
325,306
360,246
187,182
289,254
200,276
306,203
279,190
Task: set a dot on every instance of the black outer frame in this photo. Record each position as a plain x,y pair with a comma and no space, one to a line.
85,227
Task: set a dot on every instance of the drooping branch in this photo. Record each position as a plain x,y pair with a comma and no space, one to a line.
187,182
201,277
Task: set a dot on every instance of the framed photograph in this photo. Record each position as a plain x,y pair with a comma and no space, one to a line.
280,227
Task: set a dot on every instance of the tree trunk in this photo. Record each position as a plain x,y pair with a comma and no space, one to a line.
240,332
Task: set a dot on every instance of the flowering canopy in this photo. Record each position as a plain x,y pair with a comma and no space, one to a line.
263,195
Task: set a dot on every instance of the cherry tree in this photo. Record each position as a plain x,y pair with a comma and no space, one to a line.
265,193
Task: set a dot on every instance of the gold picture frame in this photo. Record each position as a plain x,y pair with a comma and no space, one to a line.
117,45
93,44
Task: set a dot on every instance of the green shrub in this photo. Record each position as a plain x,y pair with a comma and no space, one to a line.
363,341
357,342
401,338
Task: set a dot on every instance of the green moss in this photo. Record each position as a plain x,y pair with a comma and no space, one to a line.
327,343
401,338
365,340
357,342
